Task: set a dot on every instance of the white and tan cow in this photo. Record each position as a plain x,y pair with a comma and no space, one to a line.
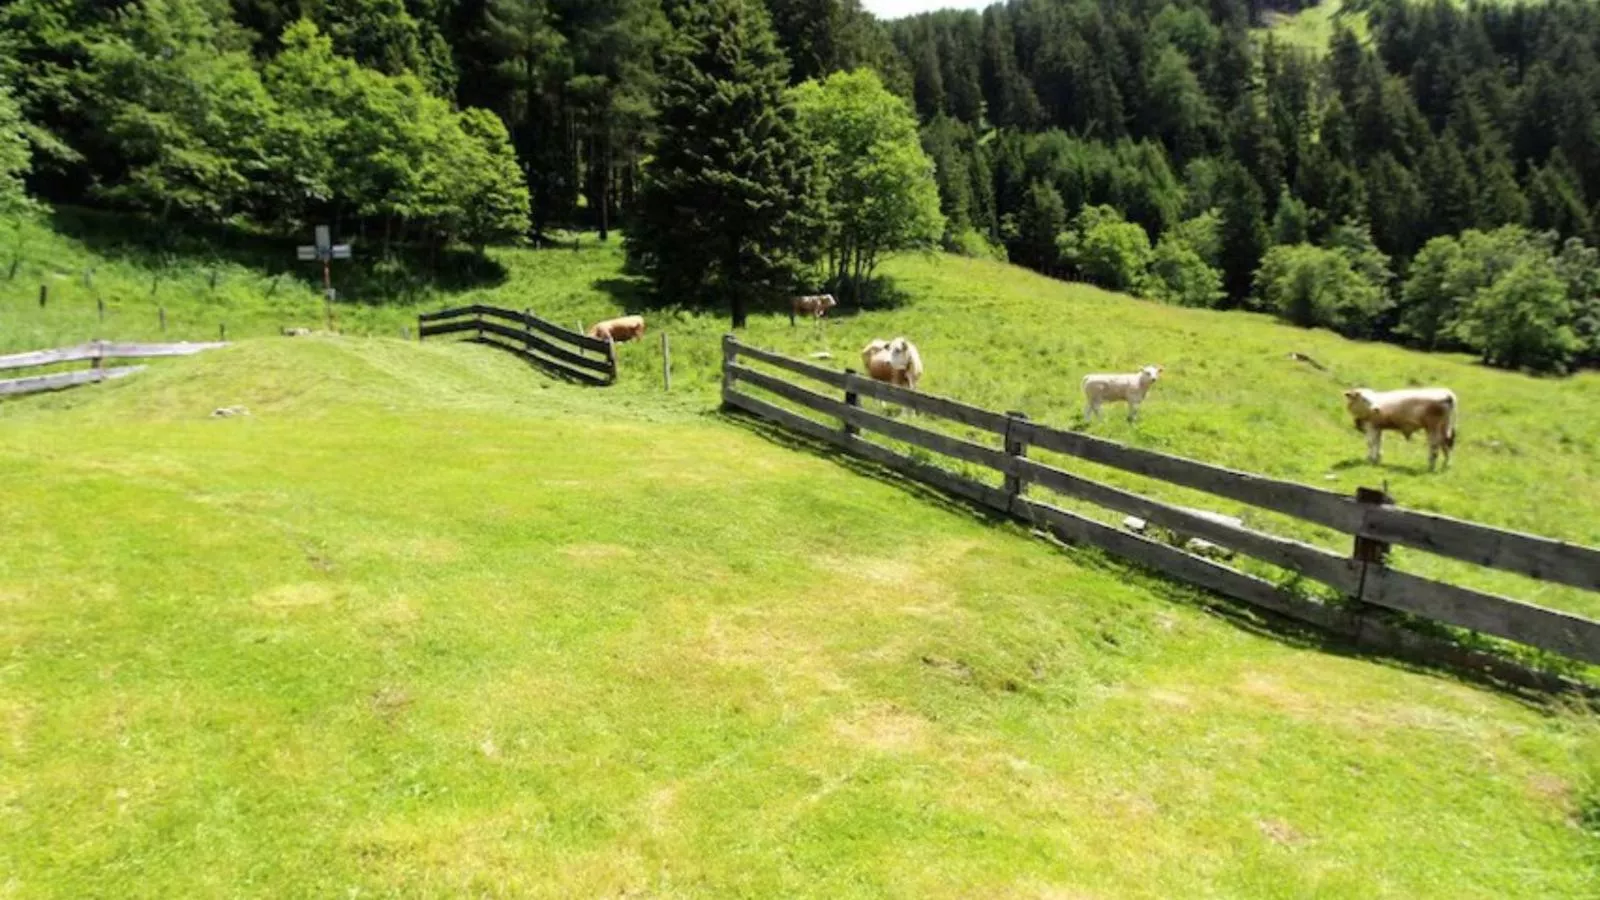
816,306
1130,389
894,361
617,330
1407,411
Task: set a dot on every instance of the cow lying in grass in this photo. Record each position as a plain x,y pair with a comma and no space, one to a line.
896,362
1432,410
626,328
1129,389
815,306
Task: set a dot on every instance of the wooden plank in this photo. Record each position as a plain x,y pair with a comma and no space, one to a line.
103,350
854,415
948,482
1538,557
826,376
548,349
443,314
931,404
1184,566
977,417
19,386
1323,507
1314,562
1525,623
111,350
35,358
555,369
556,331
447,328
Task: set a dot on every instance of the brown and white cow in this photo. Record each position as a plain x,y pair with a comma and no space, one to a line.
816,306
617,330
1410,410
895,361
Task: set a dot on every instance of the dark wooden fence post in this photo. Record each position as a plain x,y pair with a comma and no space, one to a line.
100,304
851,398
611,358
730,353
44,294
1015,447
1368,551
222,331
161,311
666,363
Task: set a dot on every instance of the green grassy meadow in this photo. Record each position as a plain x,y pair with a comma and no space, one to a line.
426,623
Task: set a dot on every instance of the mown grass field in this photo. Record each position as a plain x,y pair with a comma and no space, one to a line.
426,625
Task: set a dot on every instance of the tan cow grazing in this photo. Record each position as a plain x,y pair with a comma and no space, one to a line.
626,328
1129,389
896,362
1407,411
816,306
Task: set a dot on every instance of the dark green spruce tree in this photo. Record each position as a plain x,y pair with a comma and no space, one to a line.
725,209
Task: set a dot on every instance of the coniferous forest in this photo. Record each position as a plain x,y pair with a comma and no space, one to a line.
1431,177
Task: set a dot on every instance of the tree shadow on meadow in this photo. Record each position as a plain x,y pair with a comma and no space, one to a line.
633,292
409,274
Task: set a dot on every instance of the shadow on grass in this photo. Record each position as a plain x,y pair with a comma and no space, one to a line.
789,440
1562,676
545,366
1360,462
633,293
406,274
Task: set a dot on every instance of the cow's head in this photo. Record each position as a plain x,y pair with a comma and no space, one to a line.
1359,402
1149,374
900,353
826,301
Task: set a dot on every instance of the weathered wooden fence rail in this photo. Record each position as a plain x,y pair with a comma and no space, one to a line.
1364,576
559,350
95,353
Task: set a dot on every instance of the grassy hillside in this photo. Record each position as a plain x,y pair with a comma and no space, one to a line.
1528,456
426,624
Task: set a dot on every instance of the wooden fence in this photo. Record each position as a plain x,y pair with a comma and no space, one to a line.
95,353
558,350
1363,576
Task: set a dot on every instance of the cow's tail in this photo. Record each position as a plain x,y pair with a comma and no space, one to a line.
1450,421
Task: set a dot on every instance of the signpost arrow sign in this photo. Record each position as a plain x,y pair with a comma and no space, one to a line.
307,253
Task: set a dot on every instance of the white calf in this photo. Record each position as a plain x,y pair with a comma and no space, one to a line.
1129,389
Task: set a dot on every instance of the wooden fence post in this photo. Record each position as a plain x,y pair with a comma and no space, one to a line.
527,330
730,353
162,312
851,398
100,304
1368,551
44,294
666,363
477,317
1015,447
222,331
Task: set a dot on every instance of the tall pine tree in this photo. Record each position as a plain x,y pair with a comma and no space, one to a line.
724,207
